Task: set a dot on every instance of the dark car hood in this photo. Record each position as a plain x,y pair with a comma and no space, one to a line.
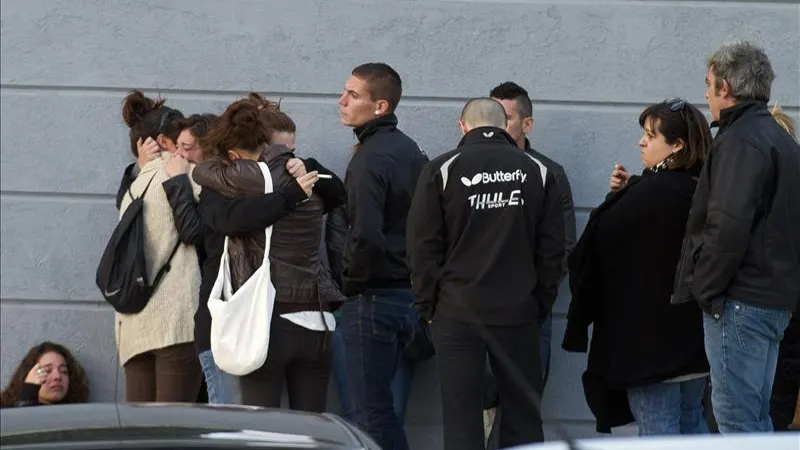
151,422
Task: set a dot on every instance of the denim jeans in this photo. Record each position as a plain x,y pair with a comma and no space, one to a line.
401,384
669,408
742,348
377,326
223,388
347,409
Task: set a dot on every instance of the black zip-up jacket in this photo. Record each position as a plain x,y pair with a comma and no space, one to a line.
743,234
486,233
380,183
565,193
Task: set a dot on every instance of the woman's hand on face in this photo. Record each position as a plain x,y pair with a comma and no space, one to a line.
296,167
177,165
148,150
308,181
619,178
37,375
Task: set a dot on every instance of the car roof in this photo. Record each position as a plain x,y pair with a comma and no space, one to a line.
102,421
763,441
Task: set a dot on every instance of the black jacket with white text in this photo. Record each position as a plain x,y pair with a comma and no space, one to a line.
485,233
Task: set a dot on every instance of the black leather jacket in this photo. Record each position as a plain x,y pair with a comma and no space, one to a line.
297,271
743,234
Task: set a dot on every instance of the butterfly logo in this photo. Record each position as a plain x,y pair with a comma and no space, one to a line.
475,180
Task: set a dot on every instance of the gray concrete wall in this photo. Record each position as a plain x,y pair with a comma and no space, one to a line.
589,66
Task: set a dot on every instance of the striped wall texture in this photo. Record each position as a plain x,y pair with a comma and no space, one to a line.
590,67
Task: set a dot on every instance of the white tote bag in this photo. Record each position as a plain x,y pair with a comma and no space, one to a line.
240,322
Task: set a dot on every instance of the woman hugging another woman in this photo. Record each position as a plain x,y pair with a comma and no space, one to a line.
250,131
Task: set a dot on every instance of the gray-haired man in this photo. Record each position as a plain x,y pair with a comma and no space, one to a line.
741,254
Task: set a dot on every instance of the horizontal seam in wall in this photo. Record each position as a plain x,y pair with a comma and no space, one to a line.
317,97
58,196
56,304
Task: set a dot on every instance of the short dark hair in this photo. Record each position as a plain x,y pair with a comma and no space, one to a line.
678,119
512,91
383,82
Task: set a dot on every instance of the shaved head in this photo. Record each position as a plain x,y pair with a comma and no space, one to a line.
482,112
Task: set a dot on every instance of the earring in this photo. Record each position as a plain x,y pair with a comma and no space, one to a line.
377,112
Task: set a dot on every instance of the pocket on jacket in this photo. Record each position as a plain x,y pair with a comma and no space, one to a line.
684,273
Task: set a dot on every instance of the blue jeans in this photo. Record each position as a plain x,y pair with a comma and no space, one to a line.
377,326
223,388
662,409
401,384
742,348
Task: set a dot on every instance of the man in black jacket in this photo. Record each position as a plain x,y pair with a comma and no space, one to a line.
486,248
519,113
378,319
741,254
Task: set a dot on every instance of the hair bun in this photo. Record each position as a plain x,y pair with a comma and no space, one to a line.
136,106
245,118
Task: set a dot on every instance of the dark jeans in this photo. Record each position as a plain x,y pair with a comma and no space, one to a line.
377,326
170,374
461,351
401,384
299,359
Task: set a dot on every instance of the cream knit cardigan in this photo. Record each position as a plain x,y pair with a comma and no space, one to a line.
168,318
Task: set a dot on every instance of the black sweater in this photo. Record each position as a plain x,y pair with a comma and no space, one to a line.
486,233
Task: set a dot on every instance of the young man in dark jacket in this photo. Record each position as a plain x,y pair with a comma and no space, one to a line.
741,253
486,248
378,320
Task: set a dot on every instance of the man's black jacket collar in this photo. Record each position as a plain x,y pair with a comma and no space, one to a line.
486,135
388,122
730,115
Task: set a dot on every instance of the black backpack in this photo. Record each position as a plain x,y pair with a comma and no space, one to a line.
122,272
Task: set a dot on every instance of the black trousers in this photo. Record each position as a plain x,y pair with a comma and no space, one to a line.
300,360
461,351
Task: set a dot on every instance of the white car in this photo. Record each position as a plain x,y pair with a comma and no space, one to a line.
772,441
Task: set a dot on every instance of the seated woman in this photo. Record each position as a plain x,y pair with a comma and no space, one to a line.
48,375
299,353
647,360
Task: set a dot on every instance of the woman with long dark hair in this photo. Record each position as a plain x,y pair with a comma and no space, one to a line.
647,360
299,343
48,375
299,349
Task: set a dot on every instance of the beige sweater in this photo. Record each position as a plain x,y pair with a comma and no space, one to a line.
168,319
